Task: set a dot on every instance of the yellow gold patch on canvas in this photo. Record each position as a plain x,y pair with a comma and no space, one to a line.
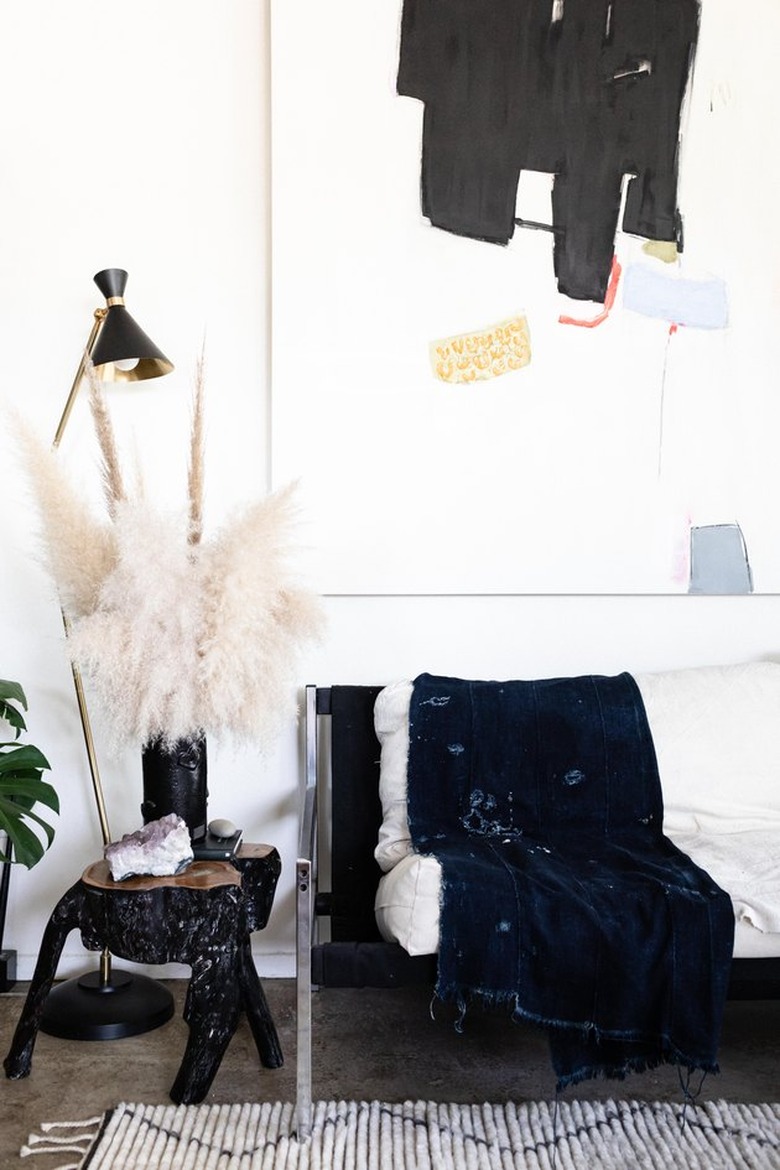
663,250
475,357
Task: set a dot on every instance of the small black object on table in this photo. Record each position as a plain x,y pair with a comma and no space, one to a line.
203,917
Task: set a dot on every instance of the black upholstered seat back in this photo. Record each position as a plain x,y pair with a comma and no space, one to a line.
356,955
356,813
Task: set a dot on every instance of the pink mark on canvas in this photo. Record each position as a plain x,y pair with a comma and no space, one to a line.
609,300
681,557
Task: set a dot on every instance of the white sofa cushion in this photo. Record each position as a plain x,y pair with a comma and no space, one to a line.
715,732
407,904
391,722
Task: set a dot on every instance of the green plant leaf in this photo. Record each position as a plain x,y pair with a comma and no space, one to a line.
11,820
21,757
27,791
22,787
11,693
26,847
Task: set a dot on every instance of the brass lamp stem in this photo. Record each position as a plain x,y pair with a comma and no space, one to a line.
100,315
86,726
89,743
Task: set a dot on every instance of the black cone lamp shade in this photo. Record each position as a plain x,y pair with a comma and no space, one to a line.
108,1004
122,351
117,348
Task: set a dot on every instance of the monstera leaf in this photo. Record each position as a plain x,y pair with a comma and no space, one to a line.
22,786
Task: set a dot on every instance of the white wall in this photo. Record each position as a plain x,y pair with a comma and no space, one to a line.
137,136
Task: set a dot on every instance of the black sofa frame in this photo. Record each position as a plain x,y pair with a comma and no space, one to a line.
341,801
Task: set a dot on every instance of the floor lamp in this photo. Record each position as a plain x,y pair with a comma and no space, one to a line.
107,1004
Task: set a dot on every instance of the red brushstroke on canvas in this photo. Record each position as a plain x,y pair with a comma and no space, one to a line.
609,300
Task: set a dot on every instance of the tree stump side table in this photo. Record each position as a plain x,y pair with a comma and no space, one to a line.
203,917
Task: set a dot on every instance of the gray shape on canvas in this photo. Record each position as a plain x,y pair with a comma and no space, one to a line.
719,560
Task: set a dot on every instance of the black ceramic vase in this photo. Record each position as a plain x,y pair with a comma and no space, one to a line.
174,781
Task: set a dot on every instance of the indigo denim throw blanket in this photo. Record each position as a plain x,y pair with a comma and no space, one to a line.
561,897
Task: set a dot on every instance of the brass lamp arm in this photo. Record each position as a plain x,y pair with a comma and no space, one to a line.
89,743
86,726
100,316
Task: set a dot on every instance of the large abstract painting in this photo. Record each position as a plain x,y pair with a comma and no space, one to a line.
526,264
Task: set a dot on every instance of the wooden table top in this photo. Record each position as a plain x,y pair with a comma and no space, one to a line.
198,875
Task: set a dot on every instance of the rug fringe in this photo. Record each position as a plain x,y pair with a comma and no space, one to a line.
79,1139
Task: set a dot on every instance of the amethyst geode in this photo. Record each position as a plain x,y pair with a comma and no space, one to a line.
160,848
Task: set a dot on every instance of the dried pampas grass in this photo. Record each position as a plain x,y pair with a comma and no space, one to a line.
253,614
179,633
113,487
140,644
196,467
80,549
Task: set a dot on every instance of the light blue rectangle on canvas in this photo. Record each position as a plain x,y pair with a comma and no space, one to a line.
719,560
701,304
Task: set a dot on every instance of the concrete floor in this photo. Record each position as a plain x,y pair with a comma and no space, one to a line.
367,1045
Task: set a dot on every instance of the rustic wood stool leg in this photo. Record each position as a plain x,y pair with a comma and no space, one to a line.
257,1011
213,1009
64,918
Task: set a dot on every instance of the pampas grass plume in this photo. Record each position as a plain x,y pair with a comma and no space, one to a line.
80,549
179,633
139,646
254,618
113,487
195,469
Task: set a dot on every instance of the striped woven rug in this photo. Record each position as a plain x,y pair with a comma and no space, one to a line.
418,1135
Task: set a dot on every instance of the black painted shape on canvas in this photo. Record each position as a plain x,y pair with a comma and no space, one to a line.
589,97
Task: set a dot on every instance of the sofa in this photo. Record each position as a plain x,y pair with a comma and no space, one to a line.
713,733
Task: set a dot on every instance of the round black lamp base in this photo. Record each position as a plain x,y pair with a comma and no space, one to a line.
85,1008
